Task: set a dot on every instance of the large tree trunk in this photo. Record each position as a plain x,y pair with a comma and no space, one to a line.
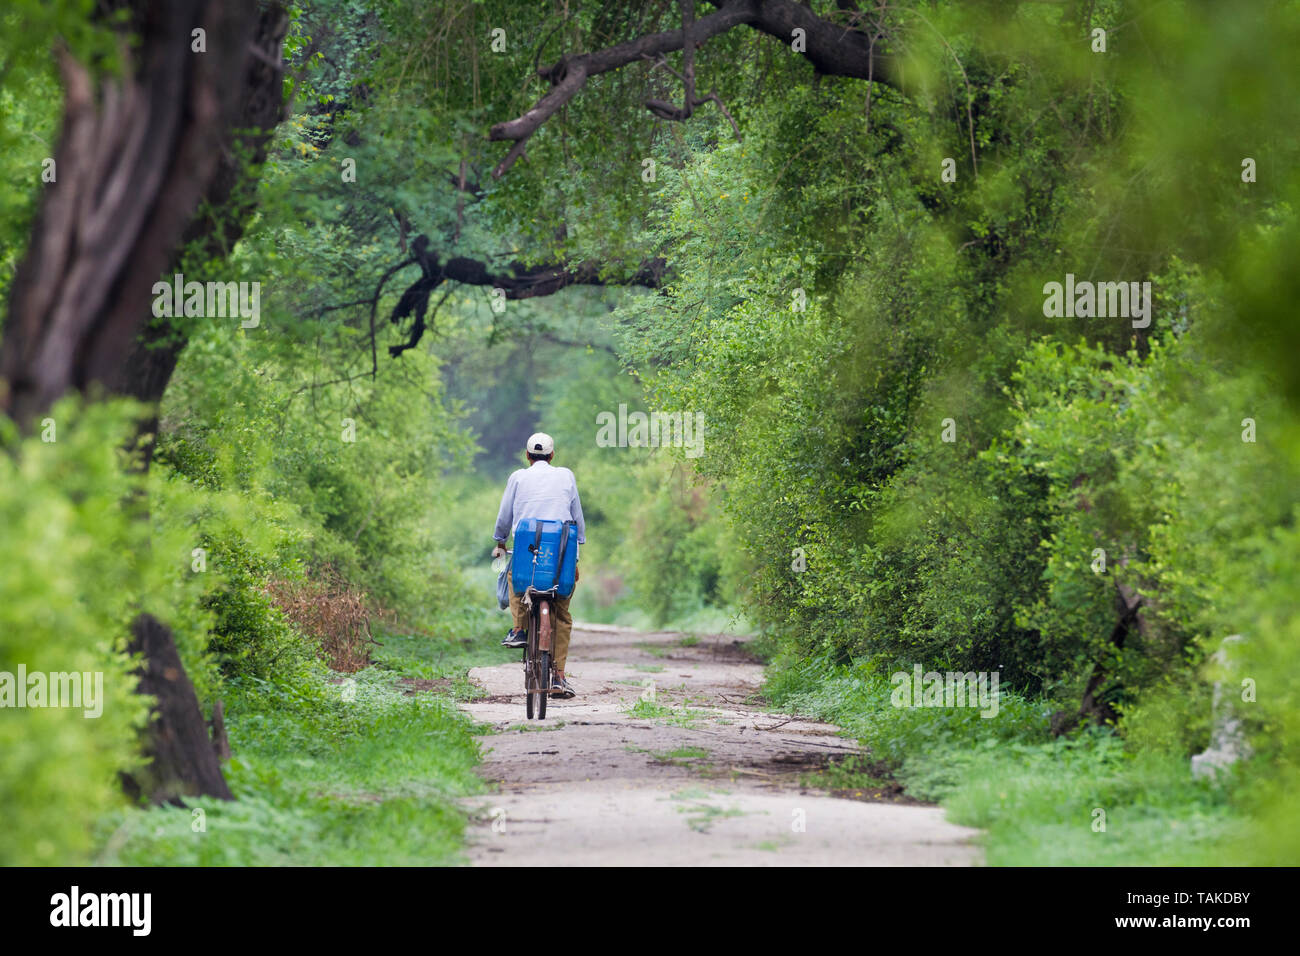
134,160
226,207
182,759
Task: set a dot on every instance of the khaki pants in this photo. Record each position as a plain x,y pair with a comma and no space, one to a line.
563,621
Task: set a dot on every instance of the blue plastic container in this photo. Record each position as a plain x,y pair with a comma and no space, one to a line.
545,556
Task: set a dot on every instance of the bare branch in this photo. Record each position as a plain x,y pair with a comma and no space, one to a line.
687,76
524,127
713,95
374,304
669,112
527,282
832,50
517,281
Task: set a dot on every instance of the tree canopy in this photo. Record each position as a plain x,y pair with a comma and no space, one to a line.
987,307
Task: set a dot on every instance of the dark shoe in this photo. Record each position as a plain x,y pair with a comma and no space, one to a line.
560,688
515,639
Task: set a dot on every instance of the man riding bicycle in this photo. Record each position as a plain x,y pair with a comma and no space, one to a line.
547,493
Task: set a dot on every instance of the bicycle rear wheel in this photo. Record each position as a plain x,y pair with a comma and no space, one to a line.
530,667
545,668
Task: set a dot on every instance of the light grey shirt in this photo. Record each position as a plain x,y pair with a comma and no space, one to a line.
540,491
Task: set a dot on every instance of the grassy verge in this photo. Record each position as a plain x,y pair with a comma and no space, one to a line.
338,770
1093,799
448,660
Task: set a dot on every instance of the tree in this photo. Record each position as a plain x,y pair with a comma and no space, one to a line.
846,44
139,156
833,48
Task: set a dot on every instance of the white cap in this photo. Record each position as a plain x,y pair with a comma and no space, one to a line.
540,444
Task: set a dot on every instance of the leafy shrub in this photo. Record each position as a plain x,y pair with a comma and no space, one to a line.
328,610
677,548
65,606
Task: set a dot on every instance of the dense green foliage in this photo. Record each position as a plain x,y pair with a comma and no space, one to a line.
919,462
949,458
296,454
278,462
63,609
907,460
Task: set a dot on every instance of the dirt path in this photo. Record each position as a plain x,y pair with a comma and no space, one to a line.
696,776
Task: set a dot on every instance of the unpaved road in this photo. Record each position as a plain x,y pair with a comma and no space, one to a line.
699,776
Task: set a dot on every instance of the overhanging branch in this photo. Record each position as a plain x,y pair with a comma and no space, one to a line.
831,48
527,282
516,281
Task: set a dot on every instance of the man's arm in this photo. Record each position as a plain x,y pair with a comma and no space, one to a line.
575,509
505,516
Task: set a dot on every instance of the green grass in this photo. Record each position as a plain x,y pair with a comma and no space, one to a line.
650,710
324,780
413,655
673,716
1041,800
536,728
681,756
700,816
1086,801
710,620
854,772
683,753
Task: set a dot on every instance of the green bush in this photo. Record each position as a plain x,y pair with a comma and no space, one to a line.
66,512
677,546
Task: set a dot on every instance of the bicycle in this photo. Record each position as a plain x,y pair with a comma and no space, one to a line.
538,663
539,666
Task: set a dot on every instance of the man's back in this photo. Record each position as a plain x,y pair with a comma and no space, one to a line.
541,491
